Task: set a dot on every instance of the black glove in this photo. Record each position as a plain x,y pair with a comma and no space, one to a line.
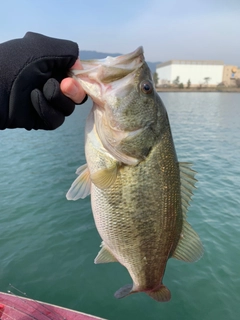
31,69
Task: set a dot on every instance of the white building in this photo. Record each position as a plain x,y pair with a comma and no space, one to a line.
197,71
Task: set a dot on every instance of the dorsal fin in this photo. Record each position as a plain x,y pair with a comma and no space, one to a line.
187,177
189,247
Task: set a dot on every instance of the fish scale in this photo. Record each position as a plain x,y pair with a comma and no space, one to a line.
139,191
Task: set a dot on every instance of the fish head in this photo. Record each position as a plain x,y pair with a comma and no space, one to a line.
126,105
106,80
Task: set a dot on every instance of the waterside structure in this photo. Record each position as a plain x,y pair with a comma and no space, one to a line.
197,73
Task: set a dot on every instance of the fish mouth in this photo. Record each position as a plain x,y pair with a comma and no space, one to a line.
128,61
108,70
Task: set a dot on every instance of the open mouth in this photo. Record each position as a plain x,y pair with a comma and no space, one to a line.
110,69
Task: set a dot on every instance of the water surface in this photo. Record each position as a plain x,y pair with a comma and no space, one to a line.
48,244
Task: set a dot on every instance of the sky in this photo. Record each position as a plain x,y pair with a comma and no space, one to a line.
170,29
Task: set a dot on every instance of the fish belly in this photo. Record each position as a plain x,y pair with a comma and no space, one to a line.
139,217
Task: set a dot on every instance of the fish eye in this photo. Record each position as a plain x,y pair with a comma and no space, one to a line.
146,87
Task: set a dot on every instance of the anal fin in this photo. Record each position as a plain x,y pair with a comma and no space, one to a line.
104,256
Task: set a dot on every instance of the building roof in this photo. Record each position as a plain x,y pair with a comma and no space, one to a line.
191,62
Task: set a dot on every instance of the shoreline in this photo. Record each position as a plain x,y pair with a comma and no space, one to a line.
216,89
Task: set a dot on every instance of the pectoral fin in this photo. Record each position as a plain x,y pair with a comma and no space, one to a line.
104,178
81,187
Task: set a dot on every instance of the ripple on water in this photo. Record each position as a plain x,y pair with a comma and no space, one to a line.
48,244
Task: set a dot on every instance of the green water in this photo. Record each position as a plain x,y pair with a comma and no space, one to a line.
48,244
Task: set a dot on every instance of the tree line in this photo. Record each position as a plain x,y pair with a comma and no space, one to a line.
180,85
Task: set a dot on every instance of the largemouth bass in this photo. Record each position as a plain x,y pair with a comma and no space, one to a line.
139,191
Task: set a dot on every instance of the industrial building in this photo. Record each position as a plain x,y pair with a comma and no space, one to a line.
230,74
197,73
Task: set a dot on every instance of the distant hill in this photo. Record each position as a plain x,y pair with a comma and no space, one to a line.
89,55
152,65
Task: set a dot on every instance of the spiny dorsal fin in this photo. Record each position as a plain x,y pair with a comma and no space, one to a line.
104,178
81,187
187,177
104,256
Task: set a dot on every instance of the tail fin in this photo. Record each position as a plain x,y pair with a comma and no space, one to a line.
162,295
124,291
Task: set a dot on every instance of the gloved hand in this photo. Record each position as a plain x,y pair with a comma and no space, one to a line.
31,69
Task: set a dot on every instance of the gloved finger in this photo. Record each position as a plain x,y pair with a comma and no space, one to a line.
56,98
49,118
42,46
